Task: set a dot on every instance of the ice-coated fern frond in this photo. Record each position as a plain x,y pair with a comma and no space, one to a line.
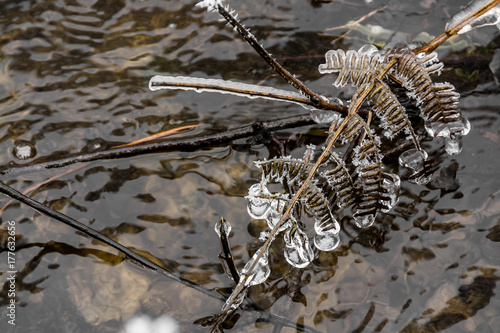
391,112
357,67
438,102
356,176
339,179
285,168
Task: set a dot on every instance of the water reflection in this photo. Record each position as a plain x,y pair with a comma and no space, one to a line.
73,79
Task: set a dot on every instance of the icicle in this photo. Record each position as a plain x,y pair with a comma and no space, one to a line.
451,132
261,271
298,252
453,145
391,184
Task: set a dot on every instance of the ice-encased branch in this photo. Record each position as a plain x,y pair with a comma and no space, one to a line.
492,17
159,82
473,11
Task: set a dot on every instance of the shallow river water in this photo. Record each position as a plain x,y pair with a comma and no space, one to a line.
74,80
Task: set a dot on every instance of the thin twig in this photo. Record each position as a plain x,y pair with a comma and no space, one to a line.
184,144
352,25
318,100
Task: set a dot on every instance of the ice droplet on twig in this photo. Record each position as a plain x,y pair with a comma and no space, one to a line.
233,305
261,271
226,226
298,252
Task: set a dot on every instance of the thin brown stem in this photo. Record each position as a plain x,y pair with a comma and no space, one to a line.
318,100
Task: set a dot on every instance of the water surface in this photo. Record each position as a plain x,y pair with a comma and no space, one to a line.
73,79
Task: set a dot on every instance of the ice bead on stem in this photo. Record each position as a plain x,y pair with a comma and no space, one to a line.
324,116
490,18
226,226
298,252
413,159
210,5
326,237
233,305
275,213
258,208
261,271
364,221
390,183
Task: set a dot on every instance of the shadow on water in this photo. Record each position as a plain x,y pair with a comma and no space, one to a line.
73,79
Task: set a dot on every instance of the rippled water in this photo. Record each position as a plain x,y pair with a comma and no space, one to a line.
73,79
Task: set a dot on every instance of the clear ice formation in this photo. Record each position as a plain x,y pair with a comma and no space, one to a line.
226,226
233,305
258,207
413,159
452,132
324,116
364,221
491,17
261,271
326,237
391,183
298,252
201,85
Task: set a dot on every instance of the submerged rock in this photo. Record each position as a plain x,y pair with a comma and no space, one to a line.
103,292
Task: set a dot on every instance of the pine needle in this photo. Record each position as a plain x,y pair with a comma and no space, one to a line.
158,135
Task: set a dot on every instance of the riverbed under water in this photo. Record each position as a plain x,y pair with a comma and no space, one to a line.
74,79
